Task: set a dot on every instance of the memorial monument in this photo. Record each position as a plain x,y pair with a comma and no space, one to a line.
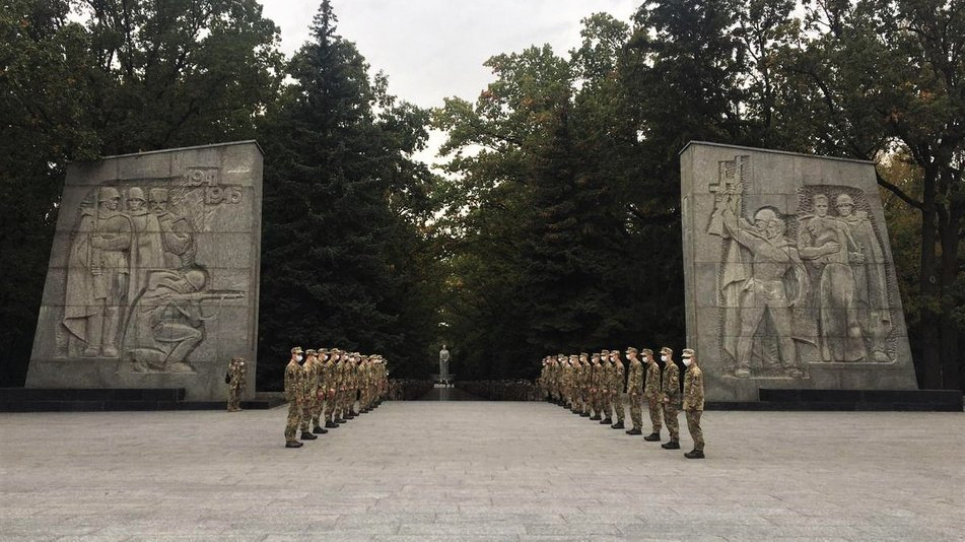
789,277
154,273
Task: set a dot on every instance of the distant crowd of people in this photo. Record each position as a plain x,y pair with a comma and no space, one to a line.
596,386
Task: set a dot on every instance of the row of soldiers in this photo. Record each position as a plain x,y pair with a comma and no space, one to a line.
327,387
596,386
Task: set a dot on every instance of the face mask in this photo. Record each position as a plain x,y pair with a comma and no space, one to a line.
663,358
298,358
686,362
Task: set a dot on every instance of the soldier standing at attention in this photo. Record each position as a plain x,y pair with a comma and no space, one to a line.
309,390
693,402
321,392
585,384
652,394
606,379
236,383
596,399
330,379
635,392
577,406
617,385
294,384
670,387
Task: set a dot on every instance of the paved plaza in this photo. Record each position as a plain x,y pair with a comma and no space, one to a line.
428,471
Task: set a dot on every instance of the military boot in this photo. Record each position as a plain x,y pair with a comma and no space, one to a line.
319,430
331,424
606,421
584,414
694,454
652,437
618,425
308,436
635,431
595,417
293,444
672,445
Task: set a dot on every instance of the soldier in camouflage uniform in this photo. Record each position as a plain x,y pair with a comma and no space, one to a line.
585,384
577,405
693,402
653,395
670,386
596,392
331,408
294,384
618,383
328,383
237,371
607,381
321,392
309,392
635,392
567,382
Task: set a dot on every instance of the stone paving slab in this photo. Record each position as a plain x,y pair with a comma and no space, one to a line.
479,471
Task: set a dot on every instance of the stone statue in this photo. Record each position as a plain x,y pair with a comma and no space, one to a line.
98,276
763,292
788,274
444,365
153,277
870,277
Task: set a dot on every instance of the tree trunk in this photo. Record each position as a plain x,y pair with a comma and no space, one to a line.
951,363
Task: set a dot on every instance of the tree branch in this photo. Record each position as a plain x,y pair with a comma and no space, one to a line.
898,191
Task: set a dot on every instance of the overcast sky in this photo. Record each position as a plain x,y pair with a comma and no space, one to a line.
432,49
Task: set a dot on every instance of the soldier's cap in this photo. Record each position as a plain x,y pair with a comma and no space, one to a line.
323,350
605,352
666,350
310,352
647,351
632,350
135,193
297,350
107,193
687,352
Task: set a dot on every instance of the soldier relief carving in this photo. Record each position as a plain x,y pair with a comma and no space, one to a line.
135,291
805,287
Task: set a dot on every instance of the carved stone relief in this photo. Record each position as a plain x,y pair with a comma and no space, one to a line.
134,289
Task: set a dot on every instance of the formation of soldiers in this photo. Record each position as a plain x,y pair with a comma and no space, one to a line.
327,387
598,386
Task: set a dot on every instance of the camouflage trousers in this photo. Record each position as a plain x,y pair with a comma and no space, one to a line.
670,418
607,405
308,408
234,398
656,412
318,406
597,403
619,406
693,424
330,408
636,411
294,417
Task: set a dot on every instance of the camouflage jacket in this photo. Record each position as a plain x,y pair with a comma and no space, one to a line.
236,372
635,378
294,381
310,385
694,389
671,382
652,391
617,378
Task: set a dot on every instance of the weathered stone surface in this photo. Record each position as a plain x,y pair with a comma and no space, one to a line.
790,282
154,273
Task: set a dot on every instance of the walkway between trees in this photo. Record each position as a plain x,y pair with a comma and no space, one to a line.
442,393
431,471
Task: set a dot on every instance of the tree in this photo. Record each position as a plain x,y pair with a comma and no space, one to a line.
342,197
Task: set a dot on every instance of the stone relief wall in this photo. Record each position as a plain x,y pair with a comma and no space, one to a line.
794,254
154,272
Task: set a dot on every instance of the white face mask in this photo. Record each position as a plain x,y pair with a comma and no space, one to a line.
298,358
686,362
663,358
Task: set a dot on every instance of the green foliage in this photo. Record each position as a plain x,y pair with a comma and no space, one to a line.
345,259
